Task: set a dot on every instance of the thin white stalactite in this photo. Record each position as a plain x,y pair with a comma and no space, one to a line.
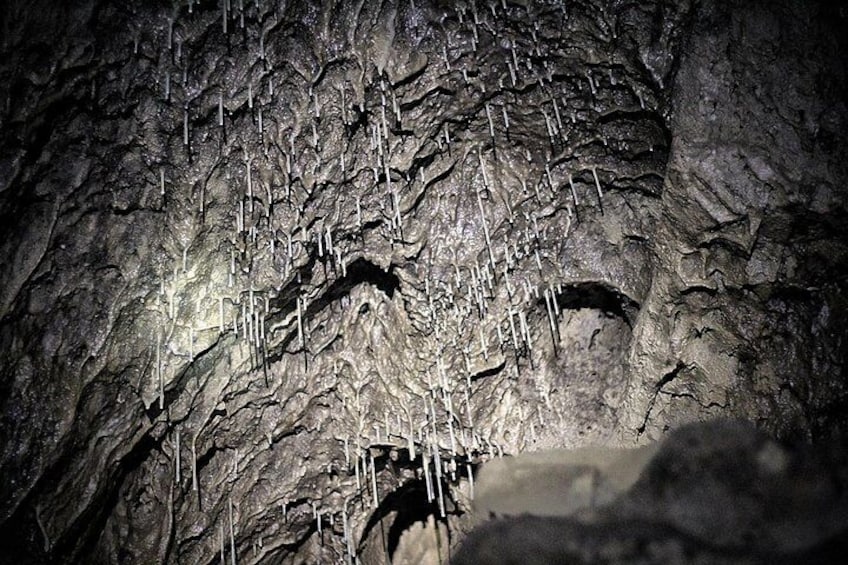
347,453
525,331
249,182
598,187
194,463
512,329
558,117
358,213
223,550
245,327
374,480
426,458
491,123
549,309
185,127
438,465
318,520
300,336
159,379
177,457
573,191
554,299
548,127
485,229
232,533
356,472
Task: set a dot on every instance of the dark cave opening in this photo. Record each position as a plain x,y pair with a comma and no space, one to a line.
598,296
412,508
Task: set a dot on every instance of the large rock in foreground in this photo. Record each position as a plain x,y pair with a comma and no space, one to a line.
719,492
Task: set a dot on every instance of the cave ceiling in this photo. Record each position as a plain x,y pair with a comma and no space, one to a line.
272,270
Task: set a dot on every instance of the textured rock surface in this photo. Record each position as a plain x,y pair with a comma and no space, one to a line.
720,492
741,317
267,267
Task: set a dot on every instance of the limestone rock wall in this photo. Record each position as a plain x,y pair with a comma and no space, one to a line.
277,276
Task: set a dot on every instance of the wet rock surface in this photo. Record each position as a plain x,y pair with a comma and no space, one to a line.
278,277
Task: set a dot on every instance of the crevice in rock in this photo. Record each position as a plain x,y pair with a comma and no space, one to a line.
666,379
490,372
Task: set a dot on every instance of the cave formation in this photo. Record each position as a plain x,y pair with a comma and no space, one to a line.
280,277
